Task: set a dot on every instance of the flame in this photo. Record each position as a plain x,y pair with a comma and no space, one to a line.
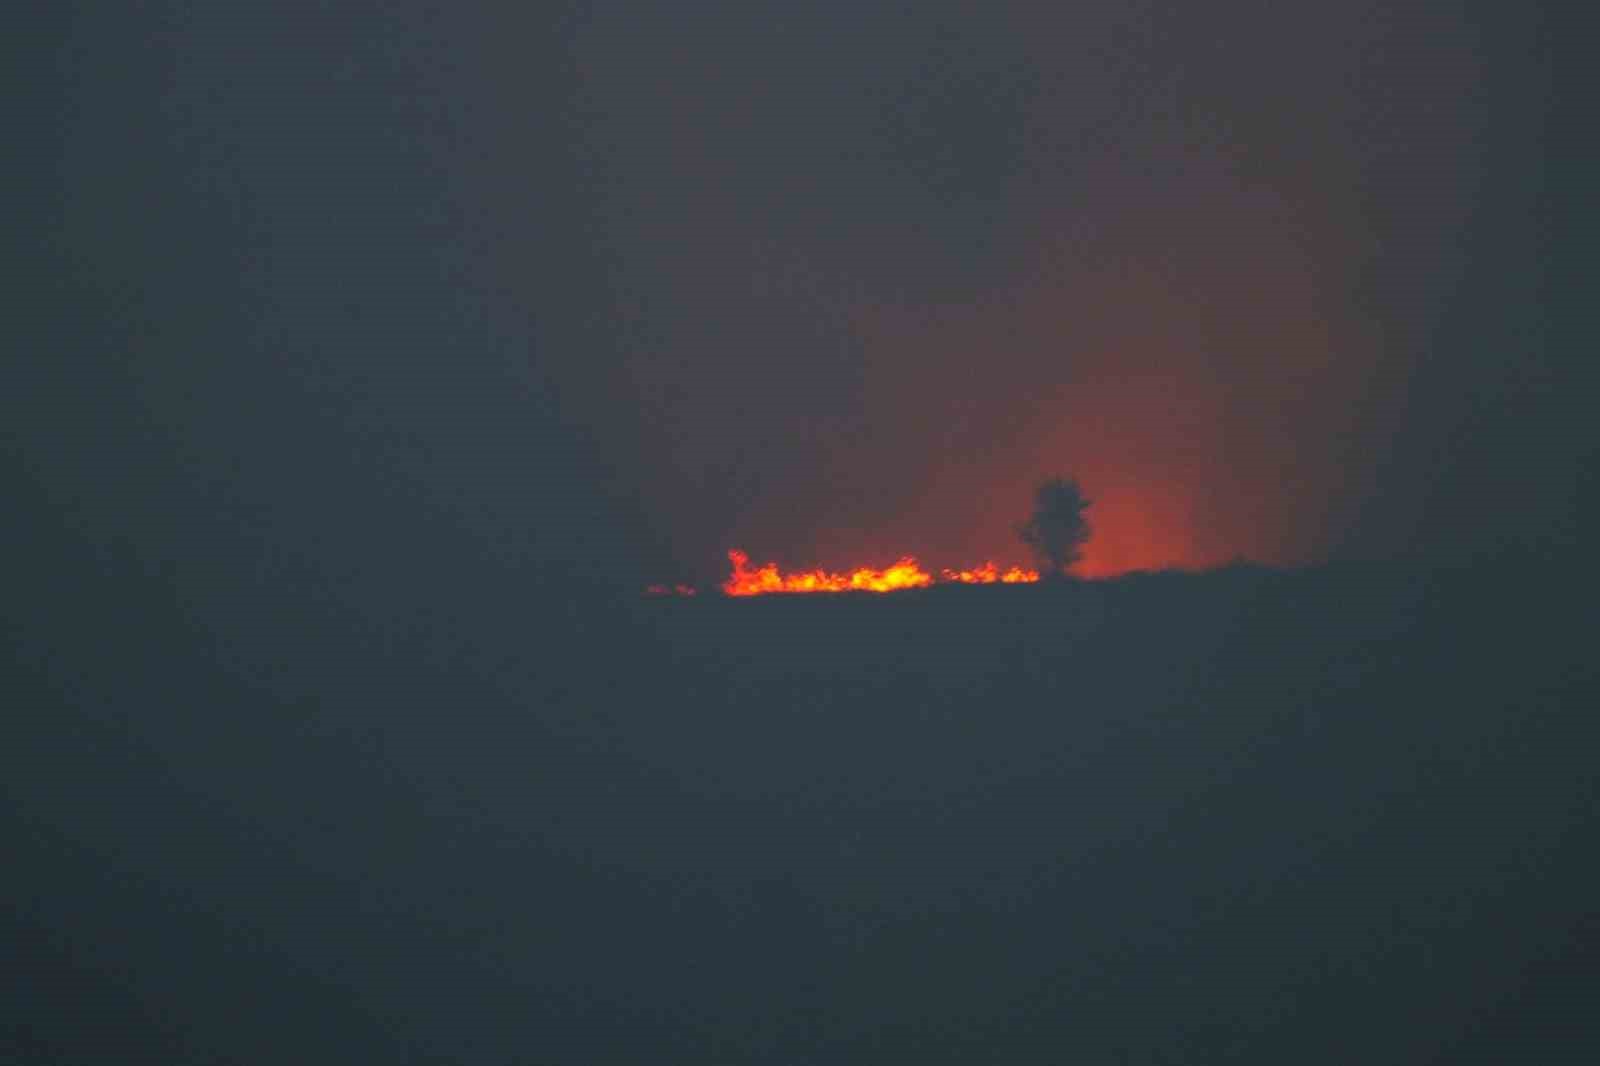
988,574
904,574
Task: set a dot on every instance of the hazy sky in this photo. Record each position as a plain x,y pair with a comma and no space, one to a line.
367,286
367,360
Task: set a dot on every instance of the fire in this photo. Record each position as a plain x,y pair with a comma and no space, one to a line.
907,573
988,574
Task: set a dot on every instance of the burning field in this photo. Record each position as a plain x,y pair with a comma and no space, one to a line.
905,573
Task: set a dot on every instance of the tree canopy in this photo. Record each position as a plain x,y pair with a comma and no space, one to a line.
1058,528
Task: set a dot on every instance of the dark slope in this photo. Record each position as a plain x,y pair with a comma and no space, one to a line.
1250,816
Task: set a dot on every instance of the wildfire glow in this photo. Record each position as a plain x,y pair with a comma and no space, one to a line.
904,574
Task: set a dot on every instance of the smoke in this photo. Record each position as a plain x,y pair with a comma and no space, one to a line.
871,282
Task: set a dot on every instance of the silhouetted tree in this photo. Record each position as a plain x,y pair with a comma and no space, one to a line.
1058,529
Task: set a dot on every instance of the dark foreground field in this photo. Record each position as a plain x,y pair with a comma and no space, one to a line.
1331,817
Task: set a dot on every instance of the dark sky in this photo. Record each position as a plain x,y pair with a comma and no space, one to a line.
359,290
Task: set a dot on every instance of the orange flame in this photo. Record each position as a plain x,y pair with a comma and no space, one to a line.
904,574
988,574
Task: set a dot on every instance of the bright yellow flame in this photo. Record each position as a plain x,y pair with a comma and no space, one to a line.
904,574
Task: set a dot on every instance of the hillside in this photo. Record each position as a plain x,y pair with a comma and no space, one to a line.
1250,816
